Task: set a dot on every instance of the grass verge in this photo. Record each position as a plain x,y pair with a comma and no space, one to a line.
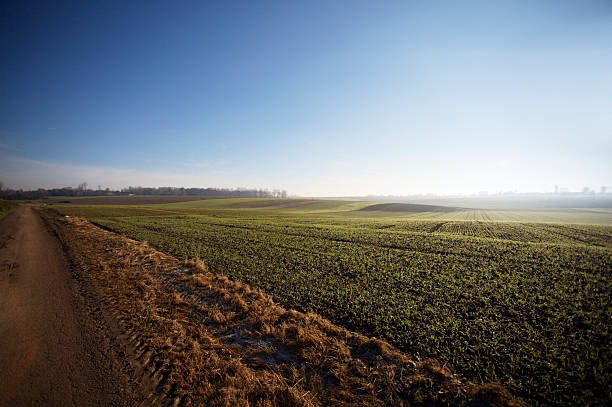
6,207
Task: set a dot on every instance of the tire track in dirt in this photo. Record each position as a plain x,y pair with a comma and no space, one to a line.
55,348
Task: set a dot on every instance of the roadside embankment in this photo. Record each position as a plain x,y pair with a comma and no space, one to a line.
6,207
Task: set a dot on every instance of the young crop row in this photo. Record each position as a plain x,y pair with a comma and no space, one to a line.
593,235
534,316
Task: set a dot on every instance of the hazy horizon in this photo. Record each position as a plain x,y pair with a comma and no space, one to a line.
320,99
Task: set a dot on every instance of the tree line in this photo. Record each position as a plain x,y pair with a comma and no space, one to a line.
82,190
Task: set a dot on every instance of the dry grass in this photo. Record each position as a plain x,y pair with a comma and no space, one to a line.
210,341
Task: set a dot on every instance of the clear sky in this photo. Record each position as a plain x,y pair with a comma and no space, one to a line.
322,98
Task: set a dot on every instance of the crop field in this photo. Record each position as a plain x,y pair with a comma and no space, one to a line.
523,303
166,205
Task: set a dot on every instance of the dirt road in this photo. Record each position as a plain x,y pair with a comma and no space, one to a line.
53,352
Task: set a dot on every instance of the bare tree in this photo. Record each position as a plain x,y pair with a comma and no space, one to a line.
82,187
1,185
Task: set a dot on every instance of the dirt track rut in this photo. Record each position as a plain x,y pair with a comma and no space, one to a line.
53,352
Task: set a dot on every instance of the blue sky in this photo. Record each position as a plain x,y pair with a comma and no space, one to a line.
324,99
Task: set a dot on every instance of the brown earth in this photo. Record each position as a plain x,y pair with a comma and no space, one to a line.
54,348
404,207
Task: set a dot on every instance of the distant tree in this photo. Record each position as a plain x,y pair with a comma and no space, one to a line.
1,185
81,190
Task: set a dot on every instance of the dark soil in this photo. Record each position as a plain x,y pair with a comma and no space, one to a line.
404,207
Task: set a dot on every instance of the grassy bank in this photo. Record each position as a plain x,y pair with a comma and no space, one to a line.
6,207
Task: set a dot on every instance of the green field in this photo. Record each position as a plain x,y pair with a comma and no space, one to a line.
525,302
334,208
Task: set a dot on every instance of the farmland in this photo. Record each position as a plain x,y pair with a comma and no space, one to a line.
523,303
